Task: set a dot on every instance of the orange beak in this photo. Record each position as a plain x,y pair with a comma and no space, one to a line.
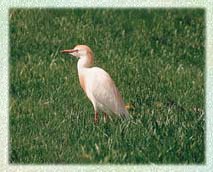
69,51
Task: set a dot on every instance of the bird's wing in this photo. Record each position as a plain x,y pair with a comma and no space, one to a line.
105,92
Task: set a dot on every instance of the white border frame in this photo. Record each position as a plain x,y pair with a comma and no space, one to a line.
4,80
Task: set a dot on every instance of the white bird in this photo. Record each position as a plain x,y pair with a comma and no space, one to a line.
97,84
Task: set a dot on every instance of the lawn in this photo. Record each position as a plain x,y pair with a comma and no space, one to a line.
156,58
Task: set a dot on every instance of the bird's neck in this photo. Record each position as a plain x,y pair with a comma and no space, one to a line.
85,62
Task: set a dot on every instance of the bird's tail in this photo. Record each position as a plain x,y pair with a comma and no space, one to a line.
124,111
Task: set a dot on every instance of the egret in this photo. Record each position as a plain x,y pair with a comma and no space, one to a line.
97,84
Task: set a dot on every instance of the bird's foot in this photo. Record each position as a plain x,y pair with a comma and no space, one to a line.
96,118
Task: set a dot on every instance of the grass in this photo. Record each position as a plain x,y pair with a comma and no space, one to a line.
157,60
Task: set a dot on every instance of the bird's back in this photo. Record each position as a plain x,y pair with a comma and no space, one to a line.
104,92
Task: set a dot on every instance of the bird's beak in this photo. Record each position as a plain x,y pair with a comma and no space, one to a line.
69,51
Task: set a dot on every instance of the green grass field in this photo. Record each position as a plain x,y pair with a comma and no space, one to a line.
157,60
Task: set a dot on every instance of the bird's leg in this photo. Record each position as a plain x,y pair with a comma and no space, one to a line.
96,117
105,117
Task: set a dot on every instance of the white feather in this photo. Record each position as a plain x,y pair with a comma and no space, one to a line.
102,91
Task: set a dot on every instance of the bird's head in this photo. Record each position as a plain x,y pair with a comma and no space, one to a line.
81,51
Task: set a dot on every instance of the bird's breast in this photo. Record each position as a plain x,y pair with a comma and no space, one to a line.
82,82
